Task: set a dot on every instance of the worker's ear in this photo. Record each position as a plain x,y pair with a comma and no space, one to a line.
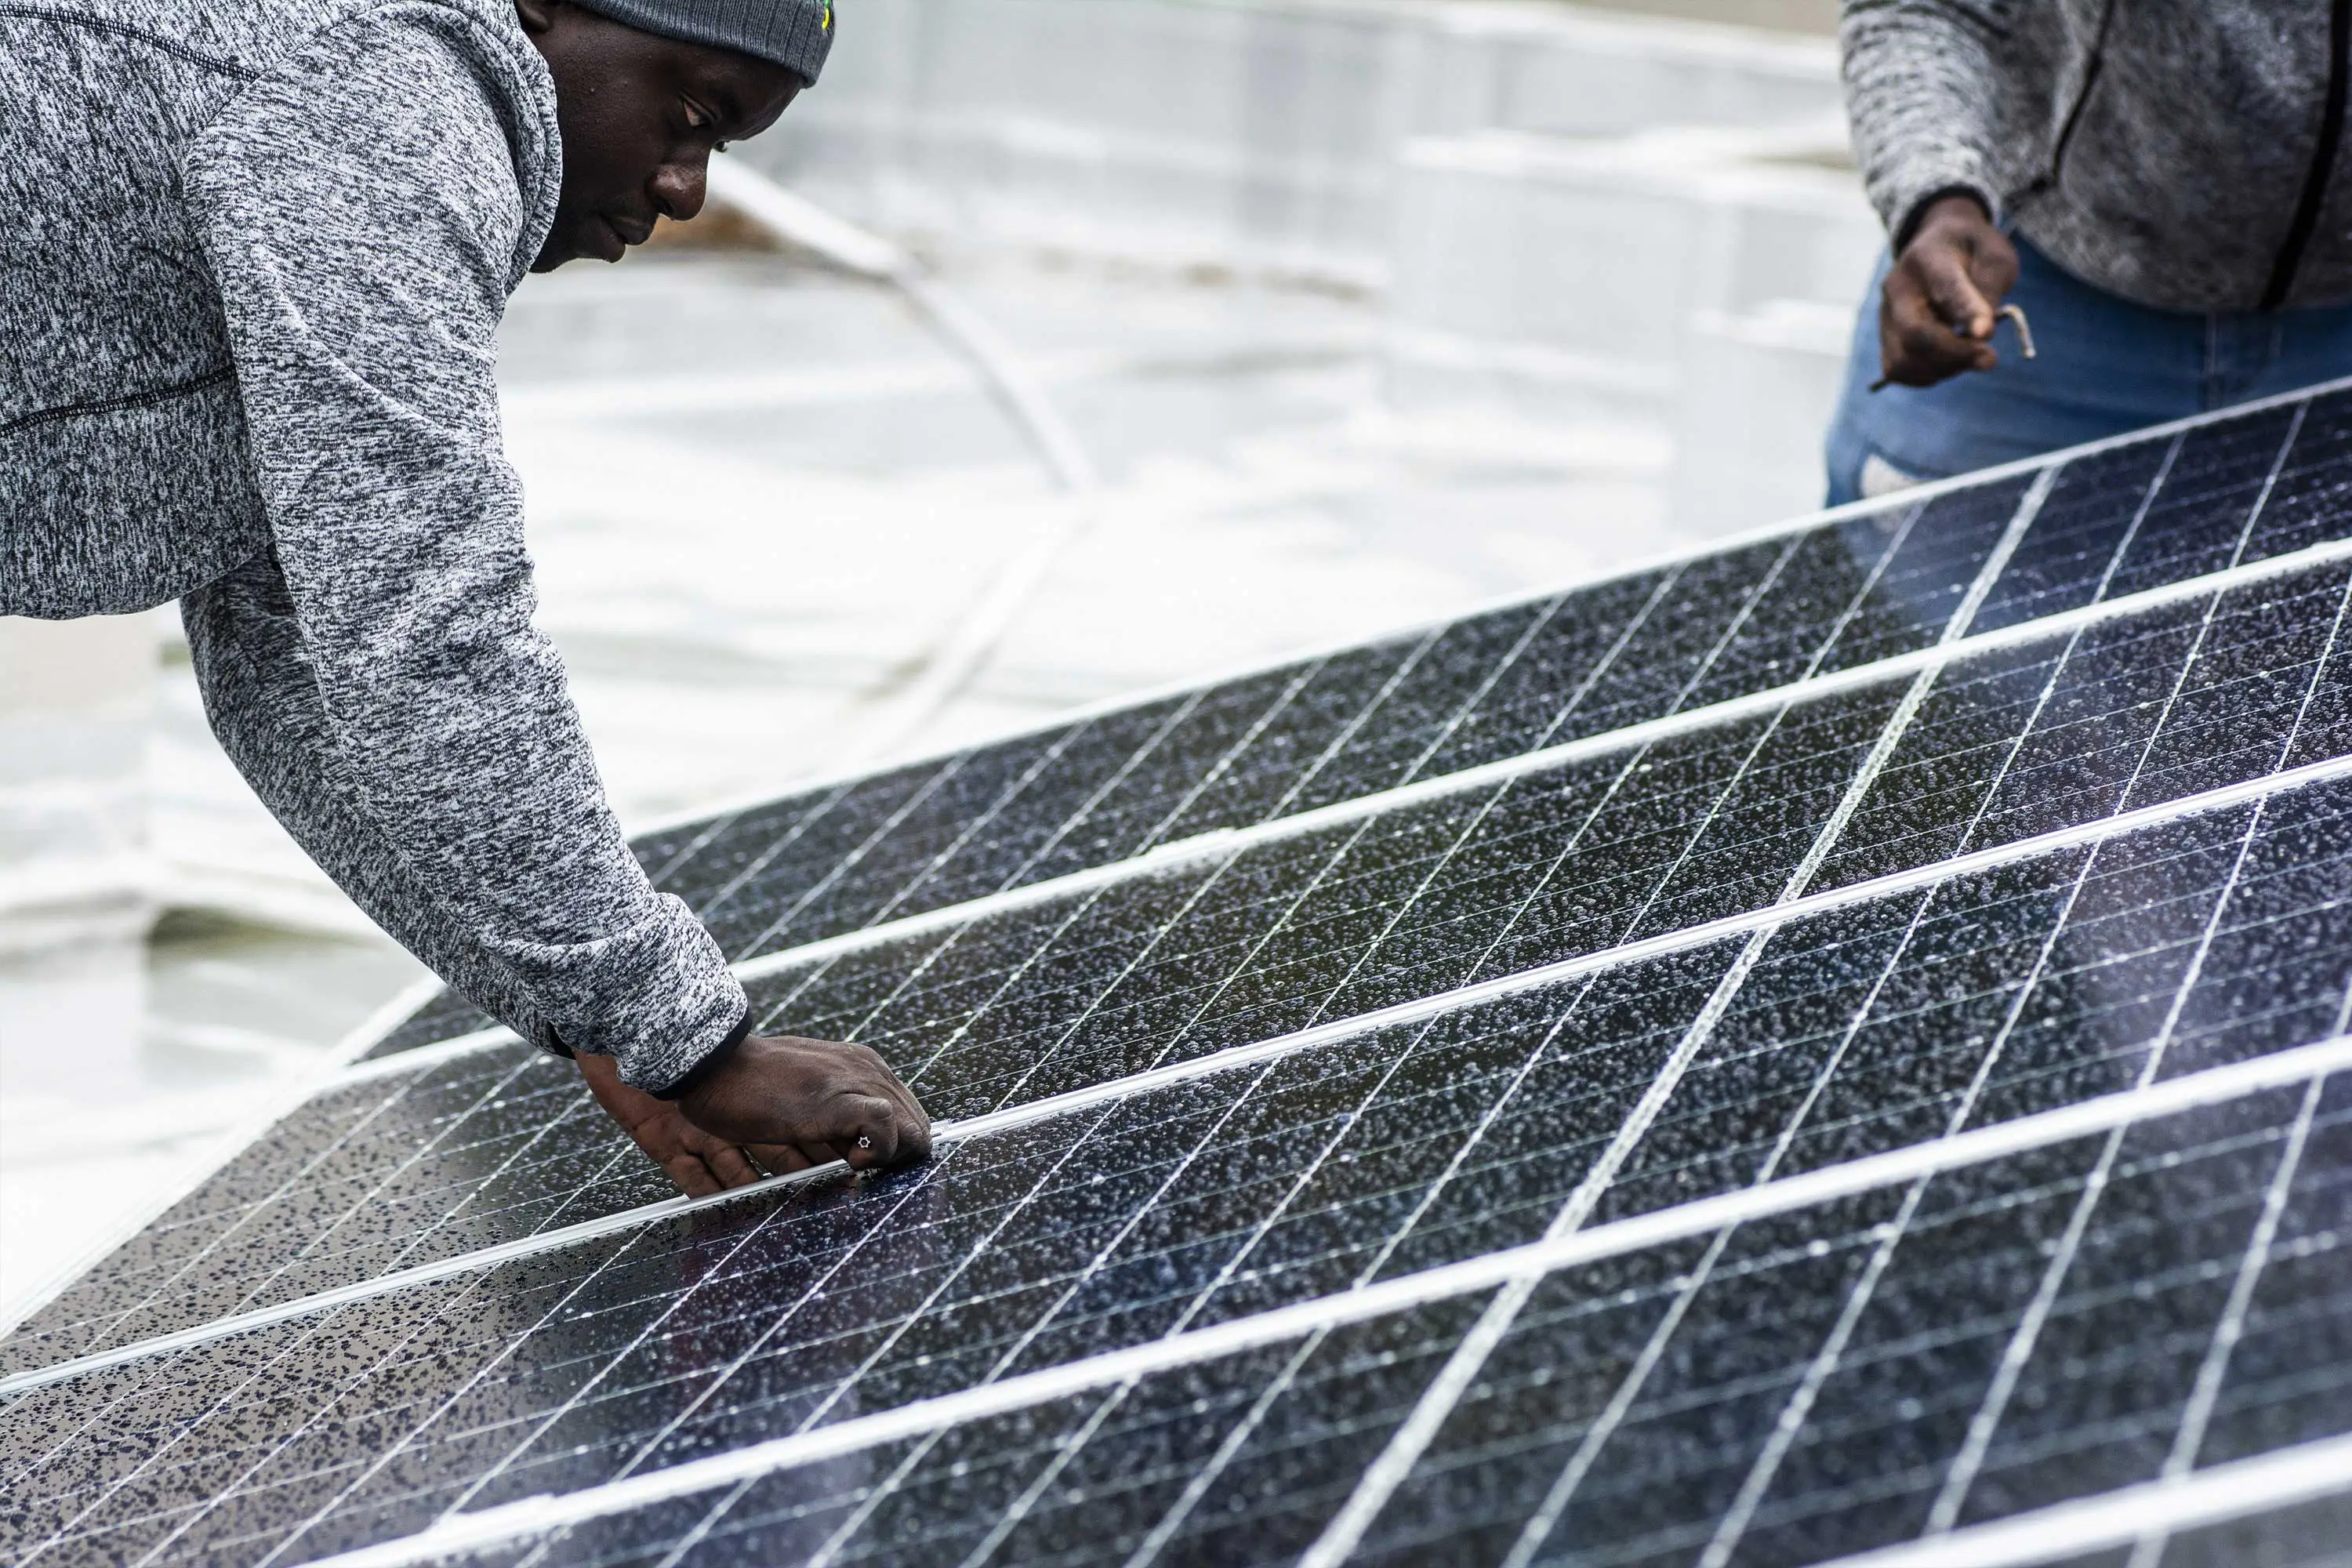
537,16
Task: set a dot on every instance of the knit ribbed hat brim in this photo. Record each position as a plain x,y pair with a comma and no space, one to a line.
795,34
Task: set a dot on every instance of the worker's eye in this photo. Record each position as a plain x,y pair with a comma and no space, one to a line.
697,116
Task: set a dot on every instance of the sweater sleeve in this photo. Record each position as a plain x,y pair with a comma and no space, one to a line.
262,699
1922,87
362,213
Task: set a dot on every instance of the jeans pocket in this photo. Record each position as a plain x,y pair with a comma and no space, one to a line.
1880,478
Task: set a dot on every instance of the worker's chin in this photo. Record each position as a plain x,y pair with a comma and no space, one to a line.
589,239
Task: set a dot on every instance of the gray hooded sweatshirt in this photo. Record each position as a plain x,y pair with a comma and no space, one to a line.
2181,153
248,307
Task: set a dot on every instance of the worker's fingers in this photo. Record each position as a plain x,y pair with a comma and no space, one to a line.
732,1165
1930,318
1917,346
867,1132
867,1129
693,1177
1946,274
783,1159
876,1132
1992,265
827,1098
912,1126
917,1124
1942,298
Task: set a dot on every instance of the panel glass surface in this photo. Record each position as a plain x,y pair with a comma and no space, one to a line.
1965,1348
1962,1350
1308,930
360,1181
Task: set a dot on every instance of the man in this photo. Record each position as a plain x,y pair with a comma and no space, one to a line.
2156,184
259,253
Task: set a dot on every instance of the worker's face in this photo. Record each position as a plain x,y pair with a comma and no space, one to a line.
640,115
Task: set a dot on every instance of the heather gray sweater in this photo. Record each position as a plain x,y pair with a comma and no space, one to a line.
259,253
2176,152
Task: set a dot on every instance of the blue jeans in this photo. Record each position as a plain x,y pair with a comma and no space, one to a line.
2108,366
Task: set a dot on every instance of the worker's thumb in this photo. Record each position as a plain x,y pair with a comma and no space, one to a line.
1954,292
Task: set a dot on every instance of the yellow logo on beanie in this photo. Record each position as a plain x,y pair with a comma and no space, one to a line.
826,25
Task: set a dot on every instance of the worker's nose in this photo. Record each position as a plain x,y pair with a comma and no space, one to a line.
678,190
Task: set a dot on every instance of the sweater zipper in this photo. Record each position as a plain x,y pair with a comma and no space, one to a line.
2323,162
2042,184
2091,68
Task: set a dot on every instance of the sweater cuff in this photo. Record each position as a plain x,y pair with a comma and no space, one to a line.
694,1077
1906,230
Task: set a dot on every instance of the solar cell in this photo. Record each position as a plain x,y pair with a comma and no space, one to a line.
1752,1061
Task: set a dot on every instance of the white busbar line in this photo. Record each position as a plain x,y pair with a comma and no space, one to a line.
1224,842
2266,1482
2191,1092
1226,1060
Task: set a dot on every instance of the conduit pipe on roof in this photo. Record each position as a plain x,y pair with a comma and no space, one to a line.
968,645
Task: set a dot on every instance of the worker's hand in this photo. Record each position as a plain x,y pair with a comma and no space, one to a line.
698,1163
1937,316
822,1099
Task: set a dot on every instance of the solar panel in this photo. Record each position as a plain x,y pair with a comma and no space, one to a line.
969,1015
1778,1391
1804,1051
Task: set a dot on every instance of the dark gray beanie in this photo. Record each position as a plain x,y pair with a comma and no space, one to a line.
796,34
